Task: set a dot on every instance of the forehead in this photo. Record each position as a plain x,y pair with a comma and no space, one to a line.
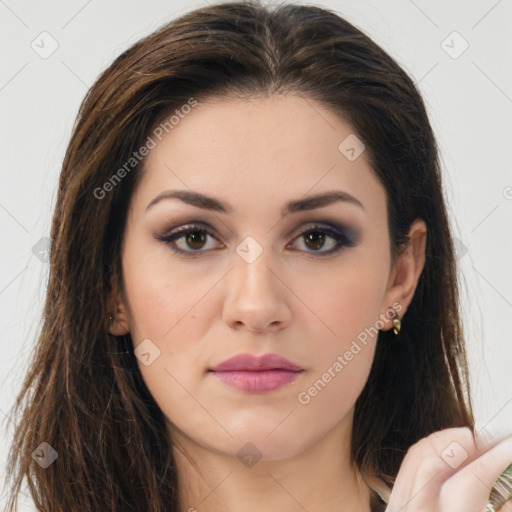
260,149
262,127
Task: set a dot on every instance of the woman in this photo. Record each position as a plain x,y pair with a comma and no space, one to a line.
252,301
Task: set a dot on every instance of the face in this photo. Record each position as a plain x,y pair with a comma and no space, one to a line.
313,285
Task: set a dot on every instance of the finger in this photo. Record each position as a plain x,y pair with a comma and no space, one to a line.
506,507
428,464
476,479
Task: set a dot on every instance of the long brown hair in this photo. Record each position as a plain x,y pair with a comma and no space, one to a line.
84,394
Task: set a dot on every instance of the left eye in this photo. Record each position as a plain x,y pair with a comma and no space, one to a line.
195,238
315,237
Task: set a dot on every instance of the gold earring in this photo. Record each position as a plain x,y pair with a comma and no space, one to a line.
397,323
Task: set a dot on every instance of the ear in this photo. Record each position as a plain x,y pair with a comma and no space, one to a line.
405,274
119,325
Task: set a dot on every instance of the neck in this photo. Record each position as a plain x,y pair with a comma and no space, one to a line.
318,479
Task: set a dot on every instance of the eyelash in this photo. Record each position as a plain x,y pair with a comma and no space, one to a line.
342,239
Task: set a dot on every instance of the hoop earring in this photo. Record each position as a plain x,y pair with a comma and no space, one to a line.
397,323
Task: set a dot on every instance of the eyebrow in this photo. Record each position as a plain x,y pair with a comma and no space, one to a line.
211,203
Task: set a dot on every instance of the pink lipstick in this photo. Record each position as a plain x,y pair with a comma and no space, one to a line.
256,374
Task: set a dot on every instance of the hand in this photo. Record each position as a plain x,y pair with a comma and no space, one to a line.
450,471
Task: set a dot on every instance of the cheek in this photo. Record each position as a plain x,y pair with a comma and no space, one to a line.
162,298
347,301
343,359
171,309
165,310
343,355
344,342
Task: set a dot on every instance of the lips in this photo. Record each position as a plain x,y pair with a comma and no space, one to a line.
257,374
255,363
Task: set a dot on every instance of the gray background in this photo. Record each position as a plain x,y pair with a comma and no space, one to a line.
469,97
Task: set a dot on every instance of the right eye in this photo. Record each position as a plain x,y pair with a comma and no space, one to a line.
193,234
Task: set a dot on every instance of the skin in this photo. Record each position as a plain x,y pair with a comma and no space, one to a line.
198,310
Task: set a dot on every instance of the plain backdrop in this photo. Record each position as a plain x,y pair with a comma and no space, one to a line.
457,52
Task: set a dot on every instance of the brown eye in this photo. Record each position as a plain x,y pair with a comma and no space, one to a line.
315,240
194,239
318,236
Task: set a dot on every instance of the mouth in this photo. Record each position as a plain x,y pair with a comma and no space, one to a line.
257,381
256,374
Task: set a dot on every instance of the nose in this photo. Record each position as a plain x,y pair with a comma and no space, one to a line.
257,298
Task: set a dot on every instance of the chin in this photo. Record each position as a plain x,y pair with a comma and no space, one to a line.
280,444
